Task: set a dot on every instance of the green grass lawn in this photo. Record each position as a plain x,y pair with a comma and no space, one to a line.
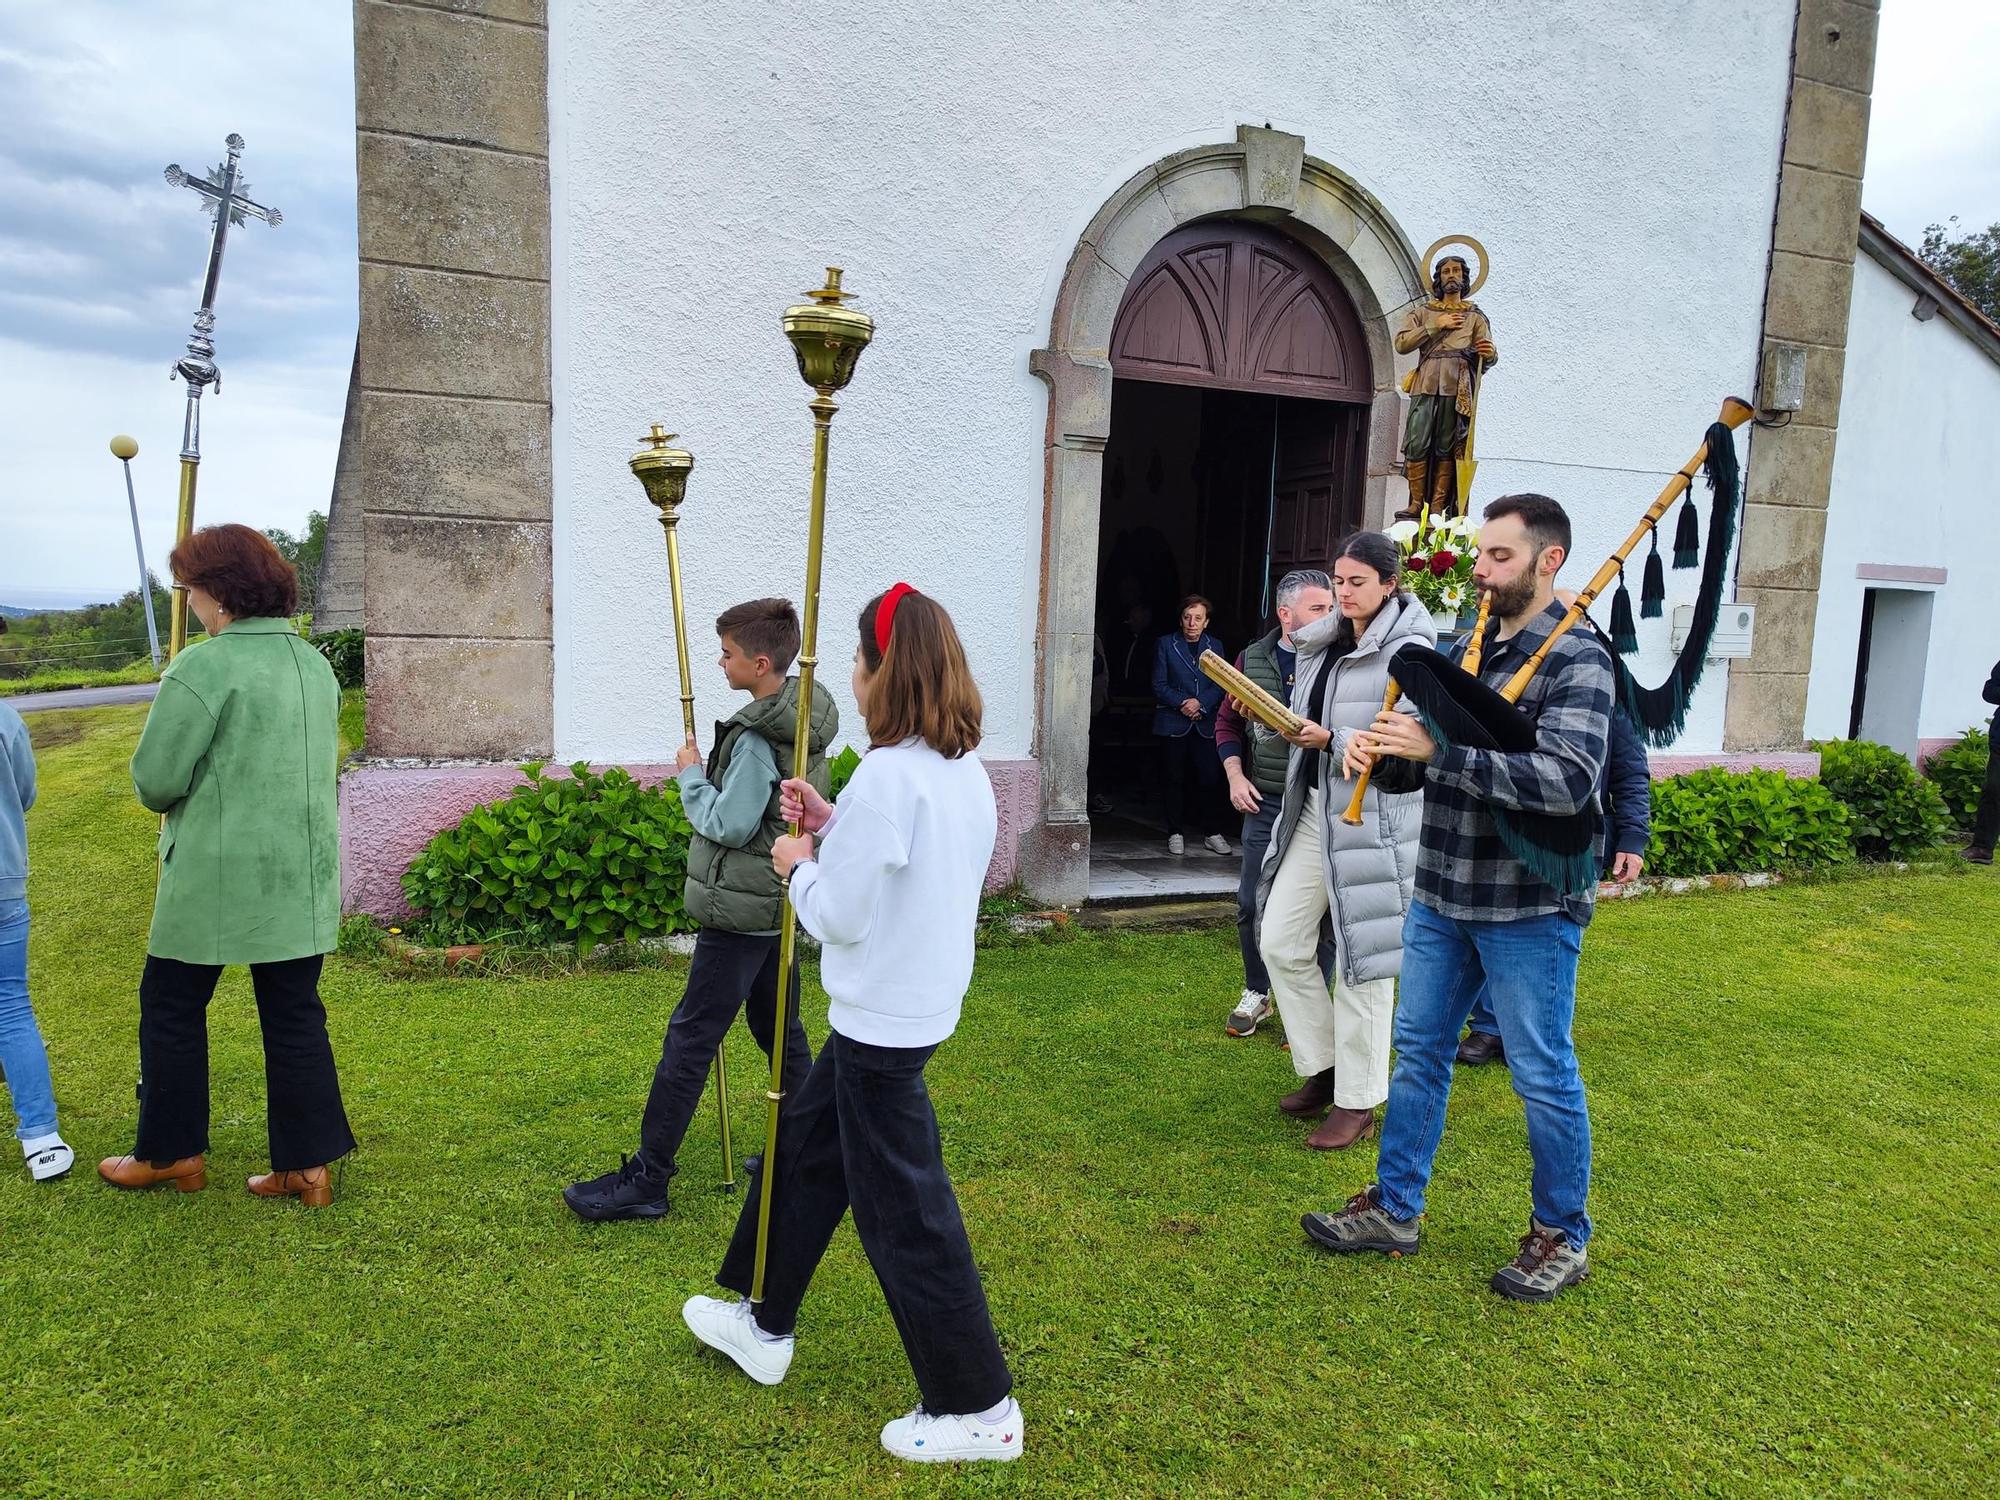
1795,1102
142,670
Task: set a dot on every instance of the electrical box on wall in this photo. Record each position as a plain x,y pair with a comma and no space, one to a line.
1784,386
1735,624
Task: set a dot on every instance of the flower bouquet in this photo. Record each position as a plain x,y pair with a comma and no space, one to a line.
1437,563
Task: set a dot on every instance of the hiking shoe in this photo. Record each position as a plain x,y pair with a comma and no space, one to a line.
1176,844
48,1156
624,1194
1363,1224
1978,854
1251,1012
1481,1047
923,1438
1547,1263
730,1327
1215,843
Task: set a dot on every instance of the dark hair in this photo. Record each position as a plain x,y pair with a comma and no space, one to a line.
763,627
1191,601
1546,522
922,686
1437,273
247,575
1376,549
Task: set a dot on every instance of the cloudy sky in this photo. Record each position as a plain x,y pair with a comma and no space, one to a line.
100,260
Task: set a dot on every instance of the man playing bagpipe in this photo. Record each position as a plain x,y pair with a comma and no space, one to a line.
1499,900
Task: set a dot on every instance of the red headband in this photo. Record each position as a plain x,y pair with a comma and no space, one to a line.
885,615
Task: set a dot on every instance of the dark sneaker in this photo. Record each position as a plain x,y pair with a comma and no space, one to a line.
1546,1265
1978,854
624,1194
1251,1012
1481,1047
1362,1225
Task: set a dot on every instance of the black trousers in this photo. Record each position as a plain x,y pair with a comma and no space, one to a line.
732,971
307,1123
862,1133
1986,821
1193,782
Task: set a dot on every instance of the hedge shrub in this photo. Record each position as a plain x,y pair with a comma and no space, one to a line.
583,859
1711,821
1893,812
1959,772
344,651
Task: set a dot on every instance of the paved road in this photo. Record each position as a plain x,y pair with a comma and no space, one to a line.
128,692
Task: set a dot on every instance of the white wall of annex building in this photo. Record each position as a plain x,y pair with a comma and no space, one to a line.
708,161
1913,486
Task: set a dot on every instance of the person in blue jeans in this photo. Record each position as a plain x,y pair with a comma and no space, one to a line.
1483,919
22,1055
1627,794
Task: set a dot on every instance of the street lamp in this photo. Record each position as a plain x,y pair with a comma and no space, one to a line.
125,449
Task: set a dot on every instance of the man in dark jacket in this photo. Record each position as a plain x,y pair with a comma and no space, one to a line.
1986,822
1626,791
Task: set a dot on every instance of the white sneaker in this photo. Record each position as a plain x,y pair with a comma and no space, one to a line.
1251,1012
1176,844
1216,844
925,1439
49,1157
729,1327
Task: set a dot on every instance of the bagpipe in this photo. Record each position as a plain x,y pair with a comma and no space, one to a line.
1459,709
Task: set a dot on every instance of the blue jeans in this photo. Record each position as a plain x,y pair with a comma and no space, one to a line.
1257,830
22,1055
1528,969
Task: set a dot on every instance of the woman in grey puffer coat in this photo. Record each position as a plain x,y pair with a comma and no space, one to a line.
1317,864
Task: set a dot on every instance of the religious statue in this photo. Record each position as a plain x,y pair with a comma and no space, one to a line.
1454,345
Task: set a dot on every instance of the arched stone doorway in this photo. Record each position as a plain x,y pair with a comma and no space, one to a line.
1263,180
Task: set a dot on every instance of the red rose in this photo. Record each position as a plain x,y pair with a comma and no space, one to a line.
1416,563
1442,562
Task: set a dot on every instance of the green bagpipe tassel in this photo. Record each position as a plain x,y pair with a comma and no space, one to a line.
1687,535
1653,588
1624,633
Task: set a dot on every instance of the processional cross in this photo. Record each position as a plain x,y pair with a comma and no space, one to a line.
224,195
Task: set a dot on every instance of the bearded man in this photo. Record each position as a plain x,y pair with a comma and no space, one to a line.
1454,343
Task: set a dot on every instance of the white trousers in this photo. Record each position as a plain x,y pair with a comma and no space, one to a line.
1347,1030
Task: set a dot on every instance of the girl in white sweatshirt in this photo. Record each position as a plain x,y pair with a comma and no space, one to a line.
892,893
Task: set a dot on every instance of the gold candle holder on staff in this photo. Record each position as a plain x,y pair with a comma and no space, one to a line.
663,470
828,339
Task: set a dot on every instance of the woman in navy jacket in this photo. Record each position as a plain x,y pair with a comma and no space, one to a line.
1184,719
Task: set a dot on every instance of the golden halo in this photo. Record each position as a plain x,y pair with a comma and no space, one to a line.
1430,259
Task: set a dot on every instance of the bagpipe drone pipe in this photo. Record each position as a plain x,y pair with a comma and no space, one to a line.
1459,709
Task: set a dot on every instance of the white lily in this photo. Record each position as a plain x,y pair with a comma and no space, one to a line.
1402,531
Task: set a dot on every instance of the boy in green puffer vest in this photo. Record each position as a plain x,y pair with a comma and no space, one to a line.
732,891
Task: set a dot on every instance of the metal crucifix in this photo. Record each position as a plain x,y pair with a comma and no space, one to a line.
223,194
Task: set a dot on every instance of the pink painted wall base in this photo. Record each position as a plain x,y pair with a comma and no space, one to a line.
388,814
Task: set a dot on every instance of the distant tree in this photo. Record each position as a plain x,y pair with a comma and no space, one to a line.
304,552
1969,261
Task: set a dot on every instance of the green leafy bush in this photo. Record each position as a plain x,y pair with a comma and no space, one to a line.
344,651
583,859
840,770
1893,812
1959,772
1709,821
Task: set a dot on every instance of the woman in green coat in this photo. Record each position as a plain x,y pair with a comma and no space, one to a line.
240,752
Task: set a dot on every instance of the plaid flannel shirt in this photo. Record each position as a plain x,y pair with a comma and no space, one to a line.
1464,870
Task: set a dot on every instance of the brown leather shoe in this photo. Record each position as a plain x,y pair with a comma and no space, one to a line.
1342,1128
1311,1097
312,1186
188,1175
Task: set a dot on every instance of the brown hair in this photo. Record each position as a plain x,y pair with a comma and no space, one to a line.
922,685
1191,601
763,627
247,575
1546,522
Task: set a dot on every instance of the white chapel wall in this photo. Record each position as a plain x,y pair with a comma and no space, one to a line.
1913,487
707,162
